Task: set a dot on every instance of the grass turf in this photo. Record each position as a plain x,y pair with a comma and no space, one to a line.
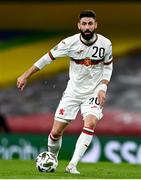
20,169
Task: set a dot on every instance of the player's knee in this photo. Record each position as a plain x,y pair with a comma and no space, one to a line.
90,121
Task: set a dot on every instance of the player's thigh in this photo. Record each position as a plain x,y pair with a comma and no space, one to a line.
67,109
91,106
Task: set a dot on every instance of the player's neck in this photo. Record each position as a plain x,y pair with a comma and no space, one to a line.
89,42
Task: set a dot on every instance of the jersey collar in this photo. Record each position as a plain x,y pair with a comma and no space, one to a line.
89,43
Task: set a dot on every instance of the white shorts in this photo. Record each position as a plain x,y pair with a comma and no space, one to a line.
69,107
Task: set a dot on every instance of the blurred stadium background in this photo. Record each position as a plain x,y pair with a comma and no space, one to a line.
27,31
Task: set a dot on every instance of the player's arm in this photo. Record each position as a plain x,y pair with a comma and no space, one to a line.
44,60
22,80
107,72
60,50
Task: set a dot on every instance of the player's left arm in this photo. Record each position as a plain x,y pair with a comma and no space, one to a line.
107,73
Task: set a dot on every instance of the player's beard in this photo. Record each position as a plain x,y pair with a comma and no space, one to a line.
87,36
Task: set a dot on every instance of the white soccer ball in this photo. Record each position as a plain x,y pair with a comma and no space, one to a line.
46,162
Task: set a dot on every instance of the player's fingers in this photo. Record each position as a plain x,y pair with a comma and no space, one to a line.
101,100
21,83
20,86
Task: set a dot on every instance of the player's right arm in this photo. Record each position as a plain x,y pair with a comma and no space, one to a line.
44,60
58,51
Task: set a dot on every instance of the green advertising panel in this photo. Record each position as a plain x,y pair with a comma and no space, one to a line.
103,148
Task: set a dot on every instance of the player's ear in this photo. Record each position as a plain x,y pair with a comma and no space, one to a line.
96,24
78,25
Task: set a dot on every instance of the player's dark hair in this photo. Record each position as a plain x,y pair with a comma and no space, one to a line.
87,13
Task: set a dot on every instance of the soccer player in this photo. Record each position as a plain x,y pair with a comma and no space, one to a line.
90,72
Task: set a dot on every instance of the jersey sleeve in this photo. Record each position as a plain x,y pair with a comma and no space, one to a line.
108,62
44,60
108,56
61,49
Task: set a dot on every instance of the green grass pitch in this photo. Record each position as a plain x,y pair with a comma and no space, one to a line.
23,169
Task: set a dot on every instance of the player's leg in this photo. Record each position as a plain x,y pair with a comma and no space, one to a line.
65,113
82,143
84,139
92,113
55,137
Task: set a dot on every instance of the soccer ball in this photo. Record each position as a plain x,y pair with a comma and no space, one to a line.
46,162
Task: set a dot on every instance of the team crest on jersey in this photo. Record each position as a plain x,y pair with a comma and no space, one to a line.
87,62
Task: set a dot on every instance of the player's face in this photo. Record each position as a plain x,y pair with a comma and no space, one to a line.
87,25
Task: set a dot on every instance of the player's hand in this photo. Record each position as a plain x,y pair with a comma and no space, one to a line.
21,82
101,97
